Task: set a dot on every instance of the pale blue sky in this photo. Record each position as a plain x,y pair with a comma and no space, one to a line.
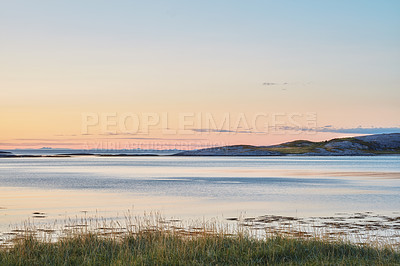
340,59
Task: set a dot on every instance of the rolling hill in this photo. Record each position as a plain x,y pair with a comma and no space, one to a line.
364,145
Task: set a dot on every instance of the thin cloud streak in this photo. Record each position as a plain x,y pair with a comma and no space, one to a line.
209,130
355,130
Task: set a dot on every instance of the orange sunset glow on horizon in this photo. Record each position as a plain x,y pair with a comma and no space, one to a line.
187,66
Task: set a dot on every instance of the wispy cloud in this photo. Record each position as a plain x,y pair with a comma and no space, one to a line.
210,130
353,130
67,141
283,85
274,83
179,139
46,144
46,139
327,128
362,130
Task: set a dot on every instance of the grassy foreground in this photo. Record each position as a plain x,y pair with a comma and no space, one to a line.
163,248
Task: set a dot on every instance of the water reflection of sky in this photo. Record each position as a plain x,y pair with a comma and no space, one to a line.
198,186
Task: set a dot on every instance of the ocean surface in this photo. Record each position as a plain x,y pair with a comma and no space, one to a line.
195,187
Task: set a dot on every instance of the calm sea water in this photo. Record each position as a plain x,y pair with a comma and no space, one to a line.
195,187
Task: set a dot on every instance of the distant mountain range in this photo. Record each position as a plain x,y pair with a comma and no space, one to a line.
364,145
54,152
6,154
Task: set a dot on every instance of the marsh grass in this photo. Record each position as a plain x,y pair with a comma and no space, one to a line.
166,248
158,241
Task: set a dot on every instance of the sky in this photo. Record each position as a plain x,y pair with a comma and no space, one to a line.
167,74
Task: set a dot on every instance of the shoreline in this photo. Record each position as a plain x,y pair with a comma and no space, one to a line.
362,228
176,155
155,240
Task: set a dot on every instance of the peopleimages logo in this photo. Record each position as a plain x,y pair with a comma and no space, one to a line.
152,145
190,123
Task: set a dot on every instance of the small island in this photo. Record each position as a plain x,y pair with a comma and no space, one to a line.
355,146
